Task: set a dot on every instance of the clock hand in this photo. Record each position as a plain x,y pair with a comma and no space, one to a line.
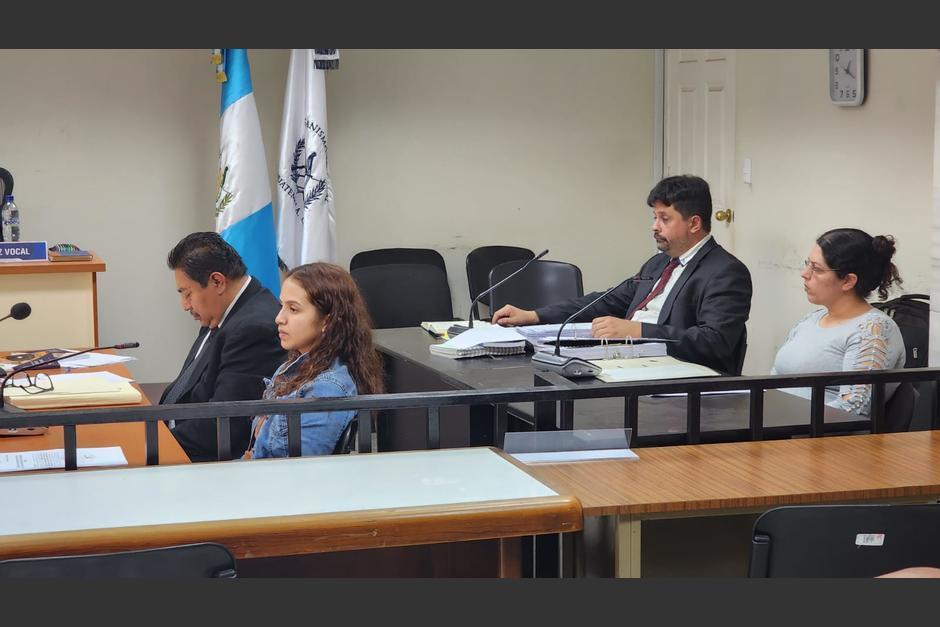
846,69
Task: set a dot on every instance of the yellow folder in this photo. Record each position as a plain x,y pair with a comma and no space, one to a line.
85,391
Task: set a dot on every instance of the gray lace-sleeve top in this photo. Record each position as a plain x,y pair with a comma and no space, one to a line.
871,341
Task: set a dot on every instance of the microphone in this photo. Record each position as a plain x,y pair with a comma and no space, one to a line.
575,367
51,358
18,311
493,287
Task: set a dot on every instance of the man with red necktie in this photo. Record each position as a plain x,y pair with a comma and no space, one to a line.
693,291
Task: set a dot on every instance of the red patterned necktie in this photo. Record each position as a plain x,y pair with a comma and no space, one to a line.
658,289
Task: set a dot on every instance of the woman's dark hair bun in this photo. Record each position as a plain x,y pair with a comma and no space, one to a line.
884,246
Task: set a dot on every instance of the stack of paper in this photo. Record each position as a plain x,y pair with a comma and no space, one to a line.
650,369
576,341
479,341
439,329
77,390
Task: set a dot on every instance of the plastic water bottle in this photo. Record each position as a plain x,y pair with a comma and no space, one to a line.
10,219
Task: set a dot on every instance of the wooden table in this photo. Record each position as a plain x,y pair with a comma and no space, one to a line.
129,435
705,480
64,300
286,507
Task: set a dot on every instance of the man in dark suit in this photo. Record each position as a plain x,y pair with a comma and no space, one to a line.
237,345
692,291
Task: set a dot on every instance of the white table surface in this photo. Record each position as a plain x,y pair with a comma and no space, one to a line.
155,495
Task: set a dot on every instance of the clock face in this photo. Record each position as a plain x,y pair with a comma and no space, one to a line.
846,76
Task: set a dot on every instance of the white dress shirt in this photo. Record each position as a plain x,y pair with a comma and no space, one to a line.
650,313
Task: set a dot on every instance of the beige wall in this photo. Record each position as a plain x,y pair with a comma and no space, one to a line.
818,166
455,149
117,151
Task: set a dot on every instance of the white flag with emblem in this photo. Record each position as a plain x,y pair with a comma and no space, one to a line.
306,226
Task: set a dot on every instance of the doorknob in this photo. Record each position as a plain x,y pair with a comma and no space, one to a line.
724,215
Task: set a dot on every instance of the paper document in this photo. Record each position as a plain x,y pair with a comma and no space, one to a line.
574,456
94,359
55,458
483,335
650,369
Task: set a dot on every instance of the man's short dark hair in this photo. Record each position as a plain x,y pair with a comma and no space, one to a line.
200,254
689,195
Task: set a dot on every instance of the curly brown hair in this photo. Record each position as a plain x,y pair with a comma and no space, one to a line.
348,332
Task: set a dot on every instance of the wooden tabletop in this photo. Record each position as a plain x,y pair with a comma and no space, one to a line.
752,475
128,435
96,264
266,508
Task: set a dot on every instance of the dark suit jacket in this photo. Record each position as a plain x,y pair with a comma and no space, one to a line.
231,366
705,310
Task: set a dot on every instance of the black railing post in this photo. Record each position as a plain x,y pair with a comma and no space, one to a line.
365,431
434,427
877,408
817,410
70,446
294,448
693,411
757,413
223,439
151,443
631,414
500,424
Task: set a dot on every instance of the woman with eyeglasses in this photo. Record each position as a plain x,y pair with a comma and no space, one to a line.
847,333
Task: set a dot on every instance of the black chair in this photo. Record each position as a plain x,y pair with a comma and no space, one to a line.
483,259
542,283
384,256
843,540
189,560
347,439
404,294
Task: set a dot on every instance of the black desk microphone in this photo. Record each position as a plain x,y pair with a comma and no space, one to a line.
574,367
18,311
456,329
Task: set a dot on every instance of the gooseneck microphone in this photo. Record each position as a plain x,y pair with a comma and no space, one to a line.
18,311
573,366
52,358
493,287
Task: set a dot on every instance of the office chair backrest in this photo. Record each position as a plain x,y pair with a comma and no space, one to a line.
347,439
483,259
189,560
383,256
404,294
542,283
844,540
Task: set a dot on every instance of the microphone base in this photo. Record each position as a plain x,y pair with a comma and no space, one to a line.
570,367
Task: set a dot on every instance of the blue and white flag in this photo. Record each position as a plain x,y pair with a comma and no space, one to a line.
244,215
306,225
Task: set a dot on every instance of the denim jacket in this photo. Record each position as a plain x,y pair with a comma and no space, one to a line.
319,431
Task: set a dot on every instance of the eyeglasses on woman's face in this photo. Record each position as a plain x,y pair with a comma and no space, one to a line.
815,268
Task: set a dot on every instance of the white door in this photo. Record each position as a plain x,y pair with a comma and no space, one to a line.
699,127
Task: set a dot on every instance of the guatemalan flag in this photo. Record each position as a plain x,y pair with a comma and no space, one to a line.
306,226
244,215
